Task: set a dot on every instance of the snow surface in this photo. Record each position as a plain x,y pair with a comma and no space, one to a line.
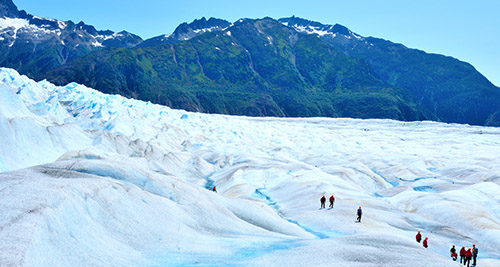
312,30
13,23
321,31
97,44
91,179
98,39
203,30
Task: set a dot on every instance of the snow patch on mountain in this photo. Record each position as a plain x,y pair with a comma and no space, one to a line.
321,30
62,24
312,30
15,23
206,29
97,44
10,27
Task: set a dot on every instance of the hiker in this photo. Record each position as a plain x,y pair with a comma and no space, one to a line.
462,255
332,199
213,189
418,237
425,242
360,212
468,257
474,254
323,200
453,252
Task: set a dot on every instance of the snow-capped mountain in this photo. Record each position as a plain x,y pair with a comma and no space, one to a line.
36,45
32,29
35,29
186,31
123,183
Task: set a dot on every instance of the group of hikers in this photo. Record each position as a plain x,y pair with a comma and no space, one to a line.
419,238
465,255
332,201
323,201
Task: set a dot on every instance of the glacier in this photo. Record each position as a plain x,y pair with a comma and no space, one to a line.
89,179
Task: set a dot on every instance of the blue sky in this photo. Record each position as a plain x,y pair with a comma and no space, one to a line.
467,30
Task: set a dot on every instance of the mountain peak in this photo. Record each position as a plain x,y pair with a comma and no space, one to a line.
201,24
186,31
8,9
293,20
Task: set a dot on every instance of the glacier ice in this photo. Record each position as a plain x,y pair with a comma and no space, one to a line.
89,179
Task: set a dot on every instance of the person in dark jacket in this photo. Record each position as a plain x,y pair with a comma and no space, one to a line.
418,237
425,244
468,257
474,254
360,212
332,200
323,200
453,252
462,255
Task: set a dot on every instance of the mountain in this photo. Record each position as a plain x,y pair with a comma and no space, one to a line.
298,68
258,67
8,9
186,31
35,45
445,88
253,67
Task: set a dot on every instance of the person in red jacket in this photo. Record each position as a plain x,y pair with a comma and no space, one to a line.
323,200
462,255
418,237
425,242
213,189
453,252
332,200
468,257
